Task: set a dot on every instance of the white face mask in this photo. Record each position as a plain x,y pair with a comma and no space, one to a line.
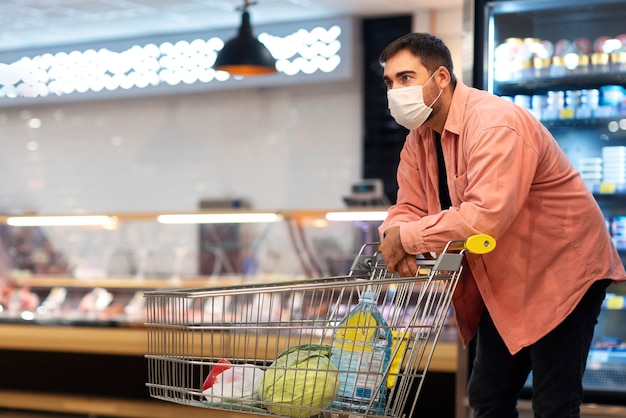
407,105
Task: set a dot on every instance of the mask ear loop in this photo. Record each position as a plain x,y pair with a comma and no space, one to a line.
440,90
436,98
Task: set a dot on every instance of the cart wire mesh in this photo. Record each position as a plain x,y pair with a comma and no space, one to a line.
267,348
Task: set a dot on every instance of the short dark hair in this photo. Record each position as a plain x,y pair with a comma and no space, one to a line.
428,48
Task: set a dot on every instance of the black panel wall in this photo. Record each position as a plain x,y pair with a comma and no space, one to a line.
382,144
383,136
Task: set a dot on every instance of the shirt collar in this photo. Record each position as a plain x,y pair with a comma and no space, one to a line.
454,121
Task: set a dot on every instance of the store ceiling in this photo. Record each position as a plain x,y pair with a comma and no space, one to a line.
26,24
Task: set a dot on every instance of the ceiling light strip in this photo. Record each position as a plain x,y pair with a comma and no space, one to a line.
99,220
219,218
357,216
190,218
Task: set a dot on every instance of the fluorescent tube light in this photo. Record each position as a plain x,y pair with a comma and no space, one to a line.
219,218
357,216
100,220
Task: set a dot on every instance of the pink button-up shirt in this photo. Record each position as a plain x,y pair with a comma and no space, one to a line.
508,178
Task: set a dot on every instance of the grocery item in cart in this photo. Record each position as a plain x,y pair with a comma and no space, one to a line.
301,381
219,368
361,351
228,381
400,342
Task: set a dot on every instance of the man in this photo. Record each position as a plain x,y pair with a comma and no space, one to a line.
475,163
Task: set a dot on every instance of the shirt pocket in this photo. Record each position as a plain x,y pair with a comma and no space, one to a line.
460,185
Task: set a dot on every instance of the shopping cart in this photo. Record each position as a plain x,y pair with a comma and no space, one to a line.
271,349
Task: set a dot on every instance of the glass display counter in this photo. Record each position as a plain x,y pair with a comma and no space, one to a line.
94,268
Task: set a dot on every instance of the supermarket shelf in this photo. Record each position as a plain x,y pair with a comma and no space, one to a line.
533,85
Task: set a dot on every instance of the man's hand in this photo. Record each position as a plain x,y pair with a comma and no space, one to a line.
396,259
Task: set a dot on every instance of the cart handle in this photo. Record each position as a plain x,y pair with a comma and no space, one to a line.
475,244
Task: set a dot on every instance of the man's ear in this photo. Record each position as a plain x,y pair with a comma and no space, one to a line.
443,77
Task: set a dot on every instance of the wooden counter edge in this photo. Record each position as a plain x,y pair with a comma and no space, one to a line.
68,339
133,341
105,407
444,357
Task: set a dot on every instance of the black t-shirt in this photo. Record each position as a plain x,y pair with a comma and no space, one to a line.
444,193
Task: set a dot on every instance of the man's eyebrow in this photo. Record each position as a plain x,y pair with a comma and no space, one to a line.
405,72
400,74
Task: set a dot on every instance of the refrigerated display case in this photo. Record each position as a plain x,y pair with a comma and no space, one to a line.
566,63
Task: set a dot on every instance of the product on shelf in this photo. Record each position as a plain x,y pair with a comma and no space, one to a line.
590,170
95,301
54,301
527,58
606,102
135,309
25,299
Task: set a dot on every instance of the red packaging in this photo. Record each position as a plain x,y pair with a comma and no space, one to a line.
562,47
598,44
583,46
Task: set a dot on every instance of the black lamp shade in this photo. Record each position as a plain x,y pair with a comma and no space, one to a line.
244,55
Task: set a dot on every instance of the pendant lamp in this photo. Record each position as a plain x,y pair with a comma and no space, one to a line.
244,55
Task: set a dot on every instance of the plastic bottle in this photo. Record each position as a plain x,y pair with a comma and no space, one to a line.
361,351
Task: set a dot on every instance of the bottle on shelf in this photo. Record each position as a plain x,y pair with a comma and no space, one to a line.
361,351
555,103
584,63
557,69
589,102
600,62
542,67
618,61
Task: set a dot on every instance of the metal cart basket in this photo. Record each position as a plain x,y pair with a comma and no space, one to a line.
274,349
